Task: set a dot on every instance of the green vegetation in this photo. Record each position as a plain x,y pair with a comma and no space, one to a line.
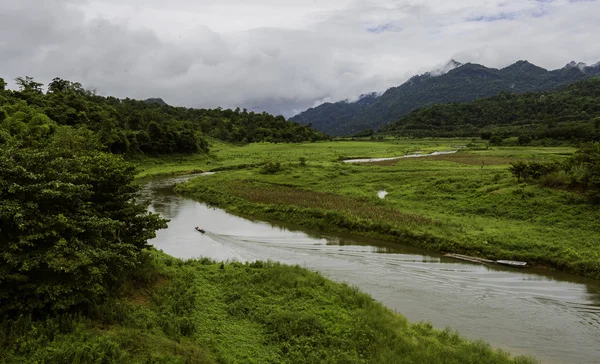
80,286
70,229
200,311
569,114
467,202
582,171
134,127
462,84
225,156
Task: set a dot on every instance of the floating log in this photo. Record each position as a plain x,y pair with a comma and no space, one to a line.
469,258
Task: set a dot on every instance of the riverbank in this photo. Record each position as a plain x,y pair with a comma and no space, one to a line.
466,202
201,311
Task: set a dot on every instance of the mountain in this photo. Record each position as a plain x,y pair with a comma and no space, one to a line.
570,113
455,82
330,115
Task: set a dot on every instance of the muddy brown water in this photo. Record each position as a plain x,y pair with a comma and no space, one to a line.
552,316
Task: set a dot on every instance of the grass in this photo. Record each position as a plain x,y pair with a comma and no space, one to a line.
225,156
200,311
465,202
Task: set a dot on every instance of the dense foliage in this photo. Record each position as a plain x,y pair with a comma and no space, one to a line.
70,227
201,311
572,113
126,126
464,83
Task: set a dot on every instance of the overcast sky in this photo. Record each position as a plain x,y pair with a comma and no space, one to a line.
281,56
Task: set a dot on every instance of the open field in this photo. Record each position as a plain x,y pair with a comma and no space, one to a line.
224,156
466,202
200,311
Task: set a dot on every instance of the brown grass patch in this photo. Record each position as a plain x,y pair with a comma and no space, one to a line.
276,194
462,158
141,295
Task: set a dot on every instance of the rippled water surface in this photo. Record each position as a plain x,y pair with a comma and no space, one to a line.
553,316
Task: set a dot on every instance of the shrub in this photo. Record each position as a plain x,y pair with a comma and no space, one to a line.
524,139
486,135
270,168
533,170
496,140
556,179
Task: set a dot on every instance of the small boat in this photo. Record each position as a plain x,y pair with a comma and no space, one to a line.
512,263
200,230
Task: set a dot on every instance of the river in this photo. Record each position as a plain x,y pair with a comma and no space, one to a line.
552,316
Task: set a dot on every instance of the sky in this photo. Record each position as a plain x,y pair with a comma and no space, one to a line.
280,56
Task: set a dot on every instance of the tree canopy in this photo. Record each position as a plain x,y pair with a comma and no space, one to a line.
127,126
70,226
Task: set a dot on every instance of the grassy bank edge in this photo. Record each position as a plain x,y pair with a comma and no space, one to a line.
336,221
203,311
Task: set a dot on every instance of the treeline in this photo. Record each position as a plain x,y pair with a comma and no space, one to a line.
126,126
572,113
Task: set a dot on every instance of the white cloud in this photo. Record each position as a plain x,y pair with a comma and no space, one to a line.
280,56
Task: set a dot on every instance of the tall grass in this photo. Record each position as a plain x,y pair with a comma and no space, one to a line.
200,311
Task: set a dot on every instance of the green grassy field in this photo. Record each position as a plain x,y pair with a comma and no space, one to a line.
466,202
227,156
199,311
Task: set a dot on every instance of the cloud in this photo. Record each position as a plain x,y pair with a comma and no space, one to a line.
280,56
381,28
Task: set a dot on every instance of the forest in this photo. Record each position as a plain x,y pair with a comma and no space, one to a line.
571,113
466,82
127,126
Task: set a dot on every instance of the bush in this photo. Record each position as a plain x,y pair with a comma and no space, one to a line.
486,135
270,168
556,179
524,139
533,170
585,168
496,140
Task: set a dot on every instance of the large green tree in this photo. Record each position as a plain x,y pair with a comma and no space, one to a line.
70,225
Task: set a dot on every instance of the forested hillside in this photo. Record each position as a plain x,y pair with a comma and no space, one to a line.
570,113
464,83
126,126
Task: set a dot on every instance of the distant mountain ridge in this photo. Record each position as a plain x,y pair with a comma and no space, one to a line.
570,113
455,82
